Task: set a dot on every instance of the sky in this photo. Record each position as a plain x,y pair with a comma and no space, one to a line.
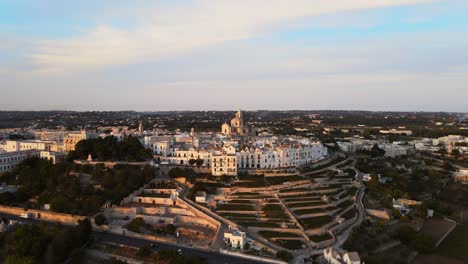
383,55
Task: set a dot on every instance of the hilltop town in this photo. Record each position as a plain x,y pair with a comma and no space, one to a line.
242,187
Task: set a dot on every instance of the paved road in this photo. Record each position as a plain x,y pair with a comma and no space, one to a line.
211,257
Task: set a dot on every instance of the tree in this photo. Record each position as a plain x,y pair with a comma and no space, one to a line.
143,252
100,220
284,255
246,246
170,229
13,259
374,181
377,152
199,162
192,162
406,234
424,244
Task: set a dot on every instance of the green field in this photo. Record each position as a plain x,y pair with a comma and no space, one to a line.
270,234
235,207
297,205
456,244
310,211
321,238
315,222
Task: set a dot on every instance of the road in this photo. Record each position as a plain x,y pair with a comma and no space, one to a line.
211,257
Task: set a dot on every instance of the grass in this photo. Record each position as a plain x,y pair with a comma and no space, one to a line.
305,199
236,207
272,207
274,211
290,244
315,222
295,190
270,234
349,214
260,224
302,196
246,194
321,238
297,205
247,201
309,211
456,244
237,215
345,204
283,179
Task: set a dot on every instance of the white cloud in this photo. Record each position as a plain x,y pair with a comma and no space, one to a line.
177,30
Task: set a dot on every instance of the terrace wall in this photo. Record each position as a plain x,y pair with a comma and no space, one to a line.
43,215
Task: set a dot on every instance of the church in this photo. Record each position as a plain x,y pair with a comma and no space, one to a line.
237,126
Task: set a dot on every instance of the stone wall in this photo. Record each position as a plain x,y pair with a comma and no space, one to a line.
43,215
209,220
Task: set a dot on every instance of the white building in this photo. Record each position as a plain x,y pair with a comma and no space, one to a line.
200,197
54,157
235,238
333,256
22,145
223,163
397,132
461,175
393,150
9,160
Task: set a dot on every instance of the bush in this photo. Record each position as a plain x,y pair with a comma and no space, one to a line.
100,220
143,252
284,255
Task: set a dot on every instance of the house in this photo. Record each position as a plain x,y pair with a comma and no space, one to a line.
461,175
366,178
235,238
403,205
339,256
200,197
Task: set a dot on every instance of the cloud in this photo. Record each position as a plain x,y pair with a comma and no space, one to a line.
176,30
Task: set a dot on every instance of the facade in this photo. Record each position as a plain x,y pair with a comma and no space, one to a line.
235,238
200,197
9,160
23,145
393,150
223,163
53,157
333,256
70,141
461,175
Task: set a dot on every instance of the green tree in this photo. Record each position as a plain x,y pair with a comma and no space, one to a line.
284,255
170,229
199,162
143,252
14,259
100,220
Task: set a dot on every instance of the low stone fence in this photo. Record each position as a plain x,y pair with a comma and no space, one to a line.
43,215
